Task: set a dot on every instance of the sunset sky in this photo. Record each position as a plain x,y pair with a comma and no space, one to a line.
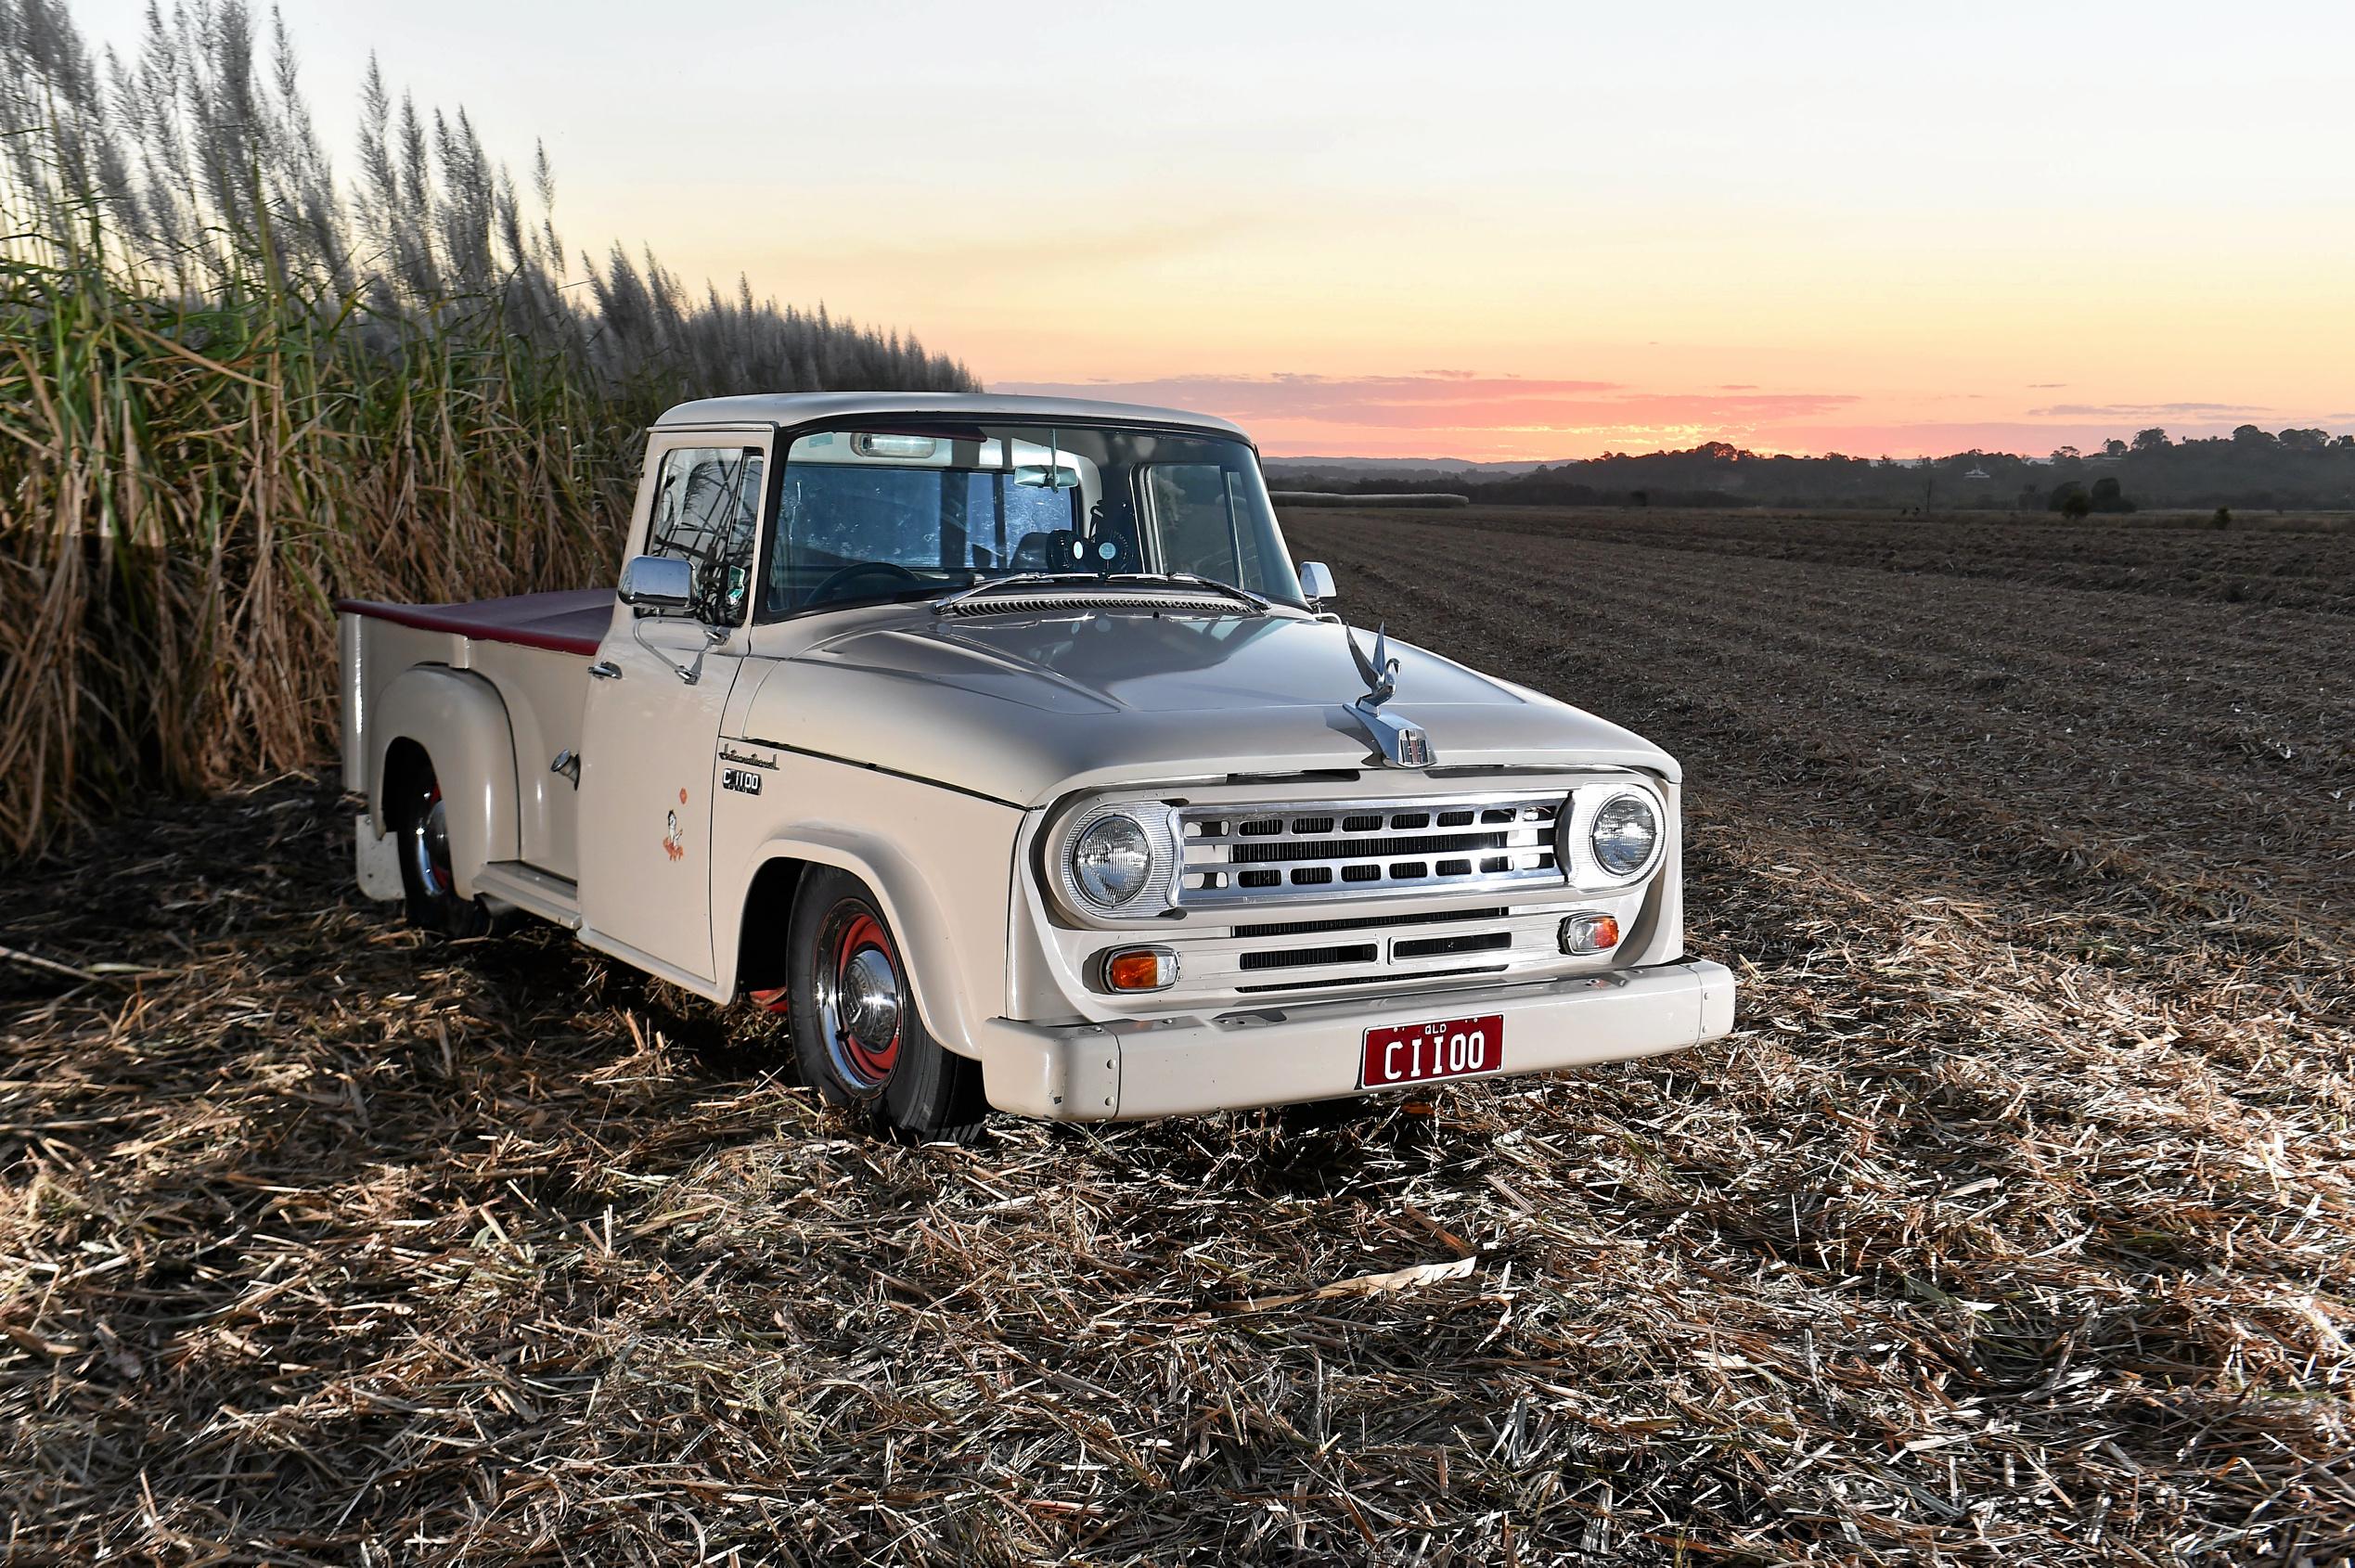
1480,231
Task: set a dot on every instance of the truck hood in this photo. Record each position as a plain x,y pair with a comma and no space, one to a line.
1023,709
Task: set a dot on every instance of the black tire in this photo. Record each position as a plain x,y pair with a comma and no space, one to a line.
413,806
856,1037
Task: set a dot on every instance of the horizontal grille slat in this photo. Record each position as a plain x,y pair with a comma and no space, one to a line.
1362,849
1368,922
1439,946
1367,980
1305,958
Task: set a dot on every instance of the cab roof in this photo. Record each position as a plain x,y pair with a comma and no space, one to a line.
801,408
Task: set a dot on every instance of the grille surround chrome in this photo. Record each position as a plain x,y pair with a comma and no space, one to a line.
1275,855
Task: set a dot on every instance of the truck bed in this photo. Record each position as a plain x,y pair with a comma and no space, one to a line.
531,650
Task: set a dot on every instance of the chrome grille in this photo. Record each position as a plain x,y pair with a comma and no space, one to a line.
1264,854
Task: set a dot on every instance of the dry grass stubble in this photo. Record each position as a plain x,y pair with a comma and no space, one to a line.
2002,1237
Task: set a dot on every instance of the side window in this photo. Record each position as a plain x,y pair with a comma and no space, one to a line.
1195,526
707,508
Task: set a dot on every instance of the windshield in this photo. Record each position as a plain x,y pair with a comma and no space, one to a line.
909,509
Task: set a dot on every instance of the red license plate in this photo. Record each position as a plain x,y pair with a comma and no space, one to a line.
1413,1053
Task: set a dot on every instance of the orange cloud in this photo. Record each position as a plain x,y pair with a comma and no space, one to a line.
1469,411
1459,413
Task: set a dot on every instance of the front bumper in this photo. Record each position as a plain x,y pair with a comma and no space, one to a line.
1135,1069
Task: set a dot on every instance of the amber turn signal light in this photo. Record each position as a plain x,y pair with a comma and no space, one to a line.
1140,968
1583,934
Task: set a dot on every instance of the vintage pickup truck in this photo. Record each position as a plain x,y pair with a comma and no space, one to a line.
999,742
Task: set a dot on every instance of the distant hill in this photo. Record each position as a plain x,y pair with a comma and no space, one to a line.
2252,468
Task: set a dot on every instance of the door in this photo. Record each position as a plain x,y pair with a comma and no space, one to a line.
649,738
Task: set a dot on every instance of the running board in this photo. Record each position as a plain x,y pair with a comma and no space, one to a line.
532,890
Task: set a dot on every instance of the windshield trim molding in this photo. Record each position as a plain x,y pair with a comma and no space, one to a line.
785,435
852,422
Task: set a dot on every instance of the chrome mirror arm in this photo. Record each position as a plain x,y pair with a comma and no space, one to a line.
688,674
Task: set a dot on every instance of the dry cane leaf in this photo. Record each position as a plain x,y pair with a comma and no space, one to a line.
1385,1284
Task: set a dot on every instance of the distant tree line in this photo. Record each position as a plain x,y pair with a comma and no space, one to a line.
2252,467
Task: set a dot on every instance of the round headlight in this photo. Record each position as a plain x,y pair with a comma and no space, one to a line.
1111,861
1625,833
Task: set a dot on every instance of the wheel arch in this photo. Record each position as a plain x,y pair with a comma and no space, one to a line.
920,928
453,723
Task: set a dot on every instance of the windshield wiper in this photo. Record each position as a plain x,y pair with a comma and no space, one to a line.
942,606
1196,580
1137,579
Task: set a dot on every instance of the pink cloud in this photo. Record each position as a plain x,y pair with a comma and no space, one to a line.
1461,414
1312,396
1453,402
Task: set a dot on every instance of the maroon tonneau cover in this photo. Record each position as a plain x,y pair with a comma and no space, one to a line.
571,621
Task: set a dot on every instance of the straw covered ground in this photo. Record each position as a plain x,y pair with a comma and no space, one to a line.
2014,1226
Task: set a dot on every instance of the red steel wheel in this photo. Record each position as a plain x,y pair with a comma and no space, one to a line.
861,999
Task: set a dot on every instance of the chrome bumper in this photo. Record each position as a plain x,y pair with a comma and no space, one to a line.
1132,1070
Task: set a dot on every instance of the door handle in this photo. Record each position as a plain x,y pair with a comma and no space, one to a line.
605,670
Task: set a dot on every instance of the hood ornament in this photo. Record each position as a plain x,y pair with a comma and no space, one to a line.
1401,744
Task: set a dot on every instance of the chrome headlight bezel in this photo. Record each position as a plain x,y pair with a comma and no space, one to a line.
1575,845
1151,900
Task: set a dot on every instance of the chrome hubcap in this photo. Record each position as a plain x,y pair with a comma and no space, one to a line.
860,998
429,846
870,1000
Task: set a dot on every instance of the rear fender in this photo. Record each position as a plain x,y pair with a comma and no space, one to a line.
456,719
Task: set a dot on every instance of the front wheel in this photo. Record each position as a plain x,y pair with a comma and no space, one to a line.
856,1037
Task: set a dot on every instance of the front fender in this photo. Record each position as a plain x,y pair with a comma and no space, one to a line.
926,936
457,719
938,863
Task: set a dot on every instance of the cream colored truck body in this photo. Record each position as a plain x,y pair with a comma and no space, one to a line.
942,761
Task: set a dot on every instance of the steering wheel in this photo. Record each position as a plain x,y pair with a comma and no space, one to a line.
836,581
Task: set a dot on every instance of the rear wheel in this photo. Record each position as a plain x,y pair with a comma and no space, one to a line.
420,821
856,1037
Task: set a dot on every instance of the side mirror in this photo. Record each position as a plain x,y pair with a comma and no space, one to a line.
658,582
1315,582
